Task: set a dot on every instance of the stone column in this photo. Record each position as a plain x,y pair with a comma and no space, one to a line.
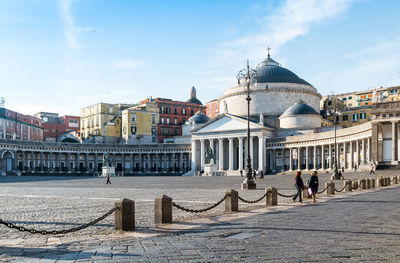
230,153
330,156
131,160
41,162
68,164
394,142
307,150
202,153
298,158
315,158
274,159
368,151
240,153
358,153
77,155
260,153
148,162
59,162
344,156
322,157
290,160
51,166
123,162
194,156
87,162
220,154
363,151
351,162
95,162
212,146
173,162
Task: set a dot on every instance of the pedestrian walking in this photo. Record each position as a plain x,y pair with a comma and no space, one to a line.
241,173
254,174
313,185
299,186
372,171
108,179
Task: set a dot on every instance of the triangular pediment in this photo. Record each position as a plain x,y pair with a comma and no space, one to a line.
226,123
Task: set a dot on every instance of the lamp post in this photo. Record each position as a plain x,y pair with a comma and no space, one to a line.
249,75
336,174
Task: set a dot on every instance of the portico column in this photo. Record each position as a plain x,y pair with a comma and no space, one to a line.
394,142
315,158
351,166
220,154
290,160
202,153
131,160
77,166
51,166
368,152
173,162
260,153
330,156
41,162
194,155
307,158
344,155
59,162
68,162
95,162
240,153
298,159
230,153
148,162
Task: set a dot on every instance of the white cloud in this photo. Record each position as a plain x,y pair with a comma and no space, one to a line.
288,21
127,63
69,25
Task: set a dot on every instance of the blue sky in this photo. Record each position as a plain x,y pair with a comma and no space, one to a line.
61,56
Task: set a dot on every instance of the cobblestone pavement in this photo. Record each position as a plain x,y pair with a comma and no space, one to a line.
356,228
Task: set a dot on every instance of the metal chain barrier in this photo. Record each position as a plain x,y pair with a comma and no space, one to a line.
322,191
341,190
252,202
57,232
199,210
286,196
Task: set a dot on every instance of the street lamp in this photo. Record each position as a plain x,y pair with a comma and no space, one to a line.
249,75
336,174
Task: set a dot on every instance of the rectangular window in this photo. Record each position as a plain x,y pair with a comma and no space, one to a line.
133,129
167,120
153,131
345,117
168,131
362,115
162,131
176,121
183,111
350,97
133,117
153,119
192,112
175,111
168,110
162,120
176,131
111,110
355,116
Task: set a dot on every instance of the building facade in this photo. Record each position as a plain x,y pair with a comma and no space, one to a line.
212,109
17,126
101,123
60,129
139,124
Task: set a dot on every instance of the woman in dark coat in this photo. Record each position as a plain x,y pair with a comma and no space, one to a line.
299,186
313,184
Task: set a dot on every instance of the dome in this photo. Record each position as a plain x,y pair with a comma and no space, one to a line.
299,108
195,101
270,71
198,118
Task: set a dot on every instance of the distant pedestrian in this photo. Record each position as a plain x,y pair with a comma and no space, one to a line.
261,174
313,184
241,173
108,179
372,171
254,174
299,186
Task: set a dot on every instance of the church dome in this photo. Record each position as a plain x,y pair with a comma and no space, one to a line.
270,71
298,108
198,118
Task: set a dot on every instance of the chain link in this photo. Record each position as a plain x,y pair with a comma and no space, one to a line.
199,210
57,232
286,196
322,190
251,201
341,190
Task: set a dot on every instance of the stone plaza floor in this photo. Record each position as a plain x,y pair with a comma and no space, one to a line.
348,227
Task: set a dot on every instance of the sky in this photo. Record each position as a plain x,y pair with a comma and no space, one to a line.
63,55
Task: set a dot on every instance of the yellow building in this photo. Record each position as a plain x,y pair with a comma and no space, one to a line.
101,122
139,124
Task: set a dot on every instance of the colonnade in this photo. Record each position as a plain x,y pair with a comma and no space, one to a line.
349,155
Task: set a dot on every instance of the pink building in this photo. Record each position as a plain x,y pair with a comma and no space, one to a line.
17,126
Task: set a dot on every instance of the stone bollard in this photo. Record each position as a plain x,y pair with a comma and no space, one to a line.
272,196
348,185
368,183
330,188
231,201
355,185
361,183
394,180
387,181
163,210
373,183
125,215
379,182
306,195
